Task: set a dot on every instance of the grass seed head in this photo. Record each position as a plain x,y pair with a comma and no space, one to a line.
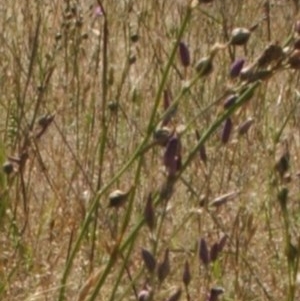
7,167
204,66
240,36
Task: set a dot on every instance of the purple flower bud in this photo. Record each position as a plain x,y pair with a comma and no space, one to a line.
149,260
163,269
98,11
214,252
184,54
236,68
186,277
203,252
226,131
172,155
149,213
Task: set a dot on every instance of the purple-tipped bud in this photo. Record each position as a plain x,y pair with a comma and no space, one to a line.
226,131
184,54
214,252
172,155
163,269
149,260
186,277
203,252
236,67
149,213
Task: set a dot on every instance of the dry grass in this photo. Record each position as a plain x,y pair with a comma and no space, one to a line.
102,93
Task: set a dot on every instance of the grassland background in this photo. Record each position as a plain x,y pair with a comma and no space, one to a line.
52,62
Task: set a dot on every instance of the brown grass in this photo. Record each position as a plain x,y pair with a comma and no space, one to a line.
60,241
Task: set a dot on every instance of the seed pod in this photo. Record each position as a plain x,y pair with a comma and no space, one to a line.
230,101
283,159
113,106
149,213
215,293
214,252
240,36
203,252
149,260
132,59
162,135
282,165
245,126
236,67
163,269
172,155
282,197
117,198
186,277
175,296
247,72
271,53
226,131
204,66
8,167
184,54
